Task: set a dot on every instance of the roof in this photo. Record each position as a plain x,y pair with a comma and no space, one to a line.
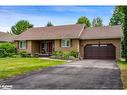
52,32
76,31
6,37
103,32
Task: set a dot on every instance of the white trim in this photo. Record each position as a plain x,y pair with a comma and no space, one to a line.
20,43
66,46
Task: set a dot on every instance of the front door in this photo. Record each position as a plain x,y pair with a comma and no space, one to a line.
49,47
46,47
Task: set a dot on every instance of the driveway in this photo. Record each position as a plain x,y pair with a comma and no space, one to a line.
85,74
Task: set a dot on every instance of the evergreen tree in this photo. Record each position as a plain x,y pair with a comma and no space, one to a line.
97,22
117,17
124,27
49,24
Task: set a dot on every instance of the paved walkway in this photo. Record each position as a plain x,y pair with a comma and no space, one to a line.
85,74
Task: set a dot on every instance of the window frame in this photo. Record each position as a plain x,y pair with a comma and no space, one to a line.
65,43
21,43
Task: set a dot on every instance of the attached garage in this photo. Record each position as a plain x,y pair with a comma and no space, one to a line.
99,51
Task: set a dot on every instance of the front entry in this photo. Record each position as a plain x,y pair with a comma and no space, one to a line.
46,47
99,51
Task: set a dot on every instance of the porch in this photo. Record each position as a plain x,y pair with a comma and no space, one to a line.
42,48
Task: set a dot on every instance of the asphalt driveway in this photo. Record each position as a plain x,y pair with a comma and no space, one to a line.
85,74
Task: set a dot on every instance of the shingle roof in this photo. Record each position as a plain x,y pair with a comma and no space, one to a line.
77,31
103,32
6,37
53,32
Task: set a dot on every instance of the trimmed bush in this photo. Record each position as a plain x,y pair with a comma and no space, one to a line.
74,53
7,49
24,53
65,55
58,54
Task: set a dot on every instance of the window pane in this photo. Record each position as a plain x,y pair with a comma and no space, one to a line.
68,43
22,44
65,42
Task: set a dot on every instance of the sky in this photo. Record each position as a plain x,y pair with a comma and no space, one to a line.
58,15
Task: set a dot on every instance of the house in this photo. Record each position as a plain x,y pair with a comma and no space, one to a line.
6,37
91,42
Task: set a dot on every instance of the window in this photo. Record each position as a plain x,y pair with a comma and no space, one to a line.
103,45
65,42
95,45
22,44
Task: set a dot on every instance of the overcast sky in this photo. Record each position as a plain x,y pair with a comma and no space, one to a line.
58,15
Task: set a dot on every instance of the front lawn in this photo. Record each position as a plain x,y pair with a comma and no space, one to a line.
123,68
15,66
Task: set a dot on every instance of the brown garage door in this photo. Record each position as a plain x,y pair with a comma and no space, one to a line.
105,51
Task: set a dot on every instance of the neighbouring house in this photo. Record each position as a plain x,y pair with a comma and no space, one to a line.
91,42
6,37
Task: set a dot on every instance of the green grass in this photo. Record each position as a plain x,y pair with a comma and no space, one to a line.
123,68
15,66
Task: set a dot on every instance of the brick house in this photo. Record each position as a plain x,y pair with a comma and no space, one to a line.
91,42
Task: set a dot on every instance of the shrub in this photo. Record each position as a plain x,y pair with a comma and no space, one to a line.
65,55
58,54
74,53
8,49
71,58
24,53
3,53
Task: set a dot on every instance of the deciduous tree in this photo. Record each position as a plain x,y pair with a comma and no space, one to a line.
84,20
20,27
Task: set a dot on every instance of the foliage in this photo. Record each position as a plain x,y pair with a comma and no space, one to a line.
97,22
74,53
58,54
20,27
65,55
117,17
24,53
124,27
49,24
3,53
123,68
15,66
84,20
7,49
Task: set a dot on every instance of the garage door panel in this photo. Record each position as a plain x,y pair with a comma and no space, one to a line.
99,52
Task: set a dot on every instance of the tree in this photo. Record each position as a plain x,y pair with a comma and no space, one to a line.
83,20
49,24
97,22
117,17
20,27
124,28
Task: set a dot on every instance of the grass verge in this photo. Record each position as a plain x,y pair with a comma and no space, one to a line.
123,67
15,66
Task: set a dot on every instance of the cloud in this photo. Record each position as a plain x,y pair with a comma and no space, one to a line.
72,9
9,19
4,29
